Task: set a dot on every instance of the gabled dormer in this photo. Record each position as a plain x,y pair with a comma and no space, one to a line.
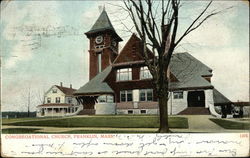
132,52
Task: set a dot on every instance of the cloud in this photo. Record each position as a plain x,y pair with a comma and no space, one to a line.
215,31
18,16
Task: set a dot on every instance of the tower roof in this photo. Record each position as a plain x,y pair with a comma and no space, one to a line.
103,24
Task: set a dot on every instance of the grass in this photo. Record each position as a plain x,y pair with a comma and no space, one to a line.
19,130
104,121
12,120
227,124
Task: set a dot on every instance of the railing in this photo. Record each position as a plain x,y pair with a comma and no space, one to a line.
79,109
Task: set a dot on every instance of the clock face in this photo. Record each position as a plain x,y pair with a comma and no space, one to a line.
99,39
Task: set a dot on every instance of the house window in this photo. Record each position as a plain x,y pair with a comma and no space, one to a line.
143,111
57,99
105,99
69,100
54,90
126,96
145,73
178,95
146,94
48,100
130,111
124,74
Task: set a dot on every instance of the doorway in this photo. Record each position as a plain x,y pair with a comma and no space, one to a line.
196,99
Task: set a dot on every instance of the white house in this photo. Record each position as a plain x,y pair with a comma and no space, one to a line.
59,101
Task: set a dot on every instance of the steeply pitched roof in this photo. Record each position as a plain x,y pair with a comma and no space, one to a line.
189,71
102,24
220,98
96,85
66,90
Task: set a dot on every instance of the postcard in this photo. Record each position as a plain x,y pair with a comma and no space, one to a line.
125,78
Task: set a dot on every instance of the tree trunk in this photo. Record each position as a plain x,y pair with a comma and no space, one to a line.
163,106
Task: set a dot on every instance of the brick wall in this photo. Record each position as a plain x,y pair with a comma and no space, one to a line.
108,55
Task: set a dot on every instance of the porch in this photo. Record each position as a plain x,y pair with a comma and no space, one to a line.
56,110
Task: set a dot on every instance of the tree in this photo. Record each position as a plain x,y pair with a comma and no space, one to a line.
26,95
162,38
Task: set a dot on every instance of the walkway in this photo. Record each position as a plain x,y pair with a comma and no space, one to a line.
201,123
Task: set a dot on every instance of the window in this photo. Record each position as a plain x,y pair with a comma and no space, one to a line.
126,96
146,94
54,90
143,111
145,73
69,100
48,100
57,99
124,74
130,111
99,66
105,99
99,46
110,99
178,95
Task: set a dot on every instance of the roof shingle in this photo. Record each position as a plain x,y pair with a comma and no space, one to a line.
102,24
189,71
96,85
66,90
220,98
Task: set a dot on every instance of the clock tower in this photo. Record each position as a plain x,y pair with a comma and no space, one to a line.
103,45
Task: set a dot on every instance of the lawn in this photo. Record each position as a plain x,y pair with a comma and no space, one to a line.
12,120
227,124
19,130
103,121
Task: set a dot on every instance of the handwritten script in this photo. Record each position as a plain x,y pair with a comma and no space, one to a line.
126,145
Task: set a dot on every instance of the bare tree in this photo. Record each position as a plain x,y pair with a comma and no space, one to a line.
26,95
157,23
39,96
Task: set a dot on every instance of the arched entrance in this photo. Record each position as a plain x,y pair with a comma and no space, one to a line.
196,99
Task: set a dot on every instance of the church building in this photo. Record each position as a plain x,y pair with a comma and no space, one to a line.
120,82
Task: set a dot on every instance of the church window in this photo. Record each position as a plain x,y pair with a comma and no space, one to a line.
178,95
124,74
146,94
130,111
145,73
105,99
99,62
126,96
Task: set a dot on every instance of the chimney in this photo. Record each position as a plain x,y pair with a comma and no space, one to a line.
70,86
61,84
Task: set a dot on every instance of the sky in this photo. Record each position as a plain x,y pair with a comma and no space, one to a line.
43,44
